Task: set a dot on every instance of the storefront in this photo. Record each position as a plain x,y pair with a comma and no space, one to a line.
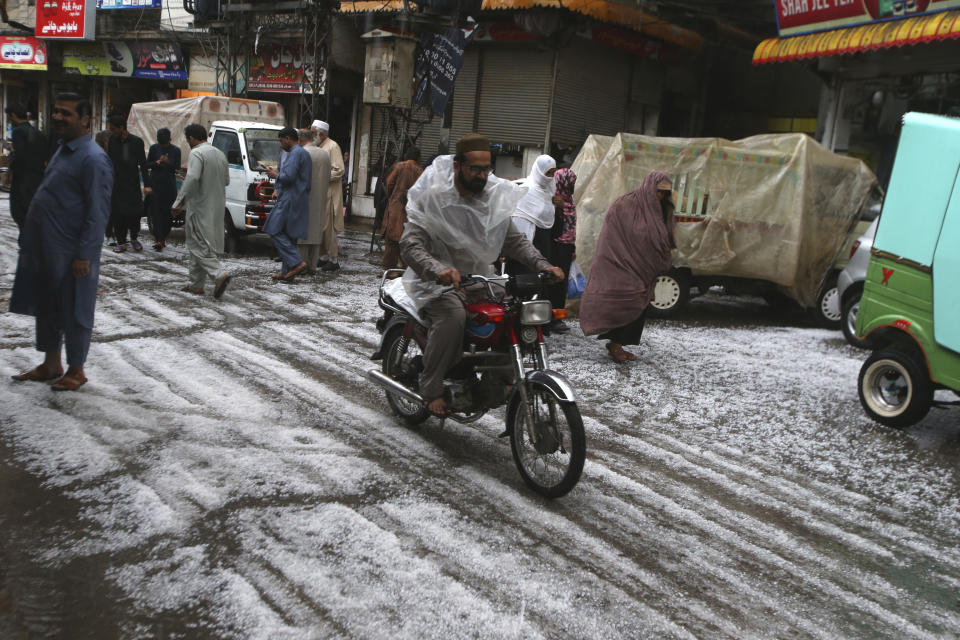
23,63
890,60
117,74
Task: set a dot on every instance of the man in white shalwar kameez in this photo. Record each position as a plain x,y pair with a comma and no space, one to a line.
203,196
310,247
334,219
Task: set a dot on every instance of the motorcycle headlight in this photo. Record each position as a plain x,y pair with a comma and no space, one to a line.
528,334
536,312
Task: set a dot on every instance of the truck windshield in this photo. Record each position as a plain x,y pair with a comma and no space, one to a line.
263,147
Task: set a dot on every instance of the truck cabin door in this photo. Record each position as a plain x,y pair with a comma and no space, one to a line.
229,143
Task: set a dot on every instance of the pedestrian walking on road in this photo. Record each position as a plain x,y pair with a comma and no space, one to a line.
29,157
564,240
202,200
163,160
633,251
59,264
290,219
403,176
311,246
333,224
129,167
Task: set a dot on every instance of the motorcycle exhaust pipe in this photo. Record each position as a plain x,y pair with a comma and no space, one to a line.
392,385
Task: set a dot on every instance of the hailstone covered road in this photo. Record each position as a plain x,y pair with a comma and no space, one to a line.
229,472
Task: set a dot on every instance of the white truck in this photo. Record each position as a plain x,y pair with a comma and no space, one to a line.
247,133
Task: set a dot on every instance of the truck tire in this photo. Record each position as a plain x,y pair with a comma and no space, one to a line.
894,388
827,312
231,236
671,294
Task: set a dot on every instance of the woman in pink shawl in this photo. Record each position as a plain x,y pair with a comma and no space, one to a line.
633,250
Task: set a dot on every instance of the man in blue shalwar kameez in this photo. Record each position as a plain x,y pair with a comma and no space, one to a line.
290,219
59,264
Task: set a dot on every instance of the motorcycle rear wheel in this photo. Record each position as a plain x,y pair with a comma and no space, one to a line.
398,363
552,467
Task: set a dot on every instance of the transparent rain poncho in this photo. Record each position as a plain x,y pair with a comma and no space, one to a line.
466,233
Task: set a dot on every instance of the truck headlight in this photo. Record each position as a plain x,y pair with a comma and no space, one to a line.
536,312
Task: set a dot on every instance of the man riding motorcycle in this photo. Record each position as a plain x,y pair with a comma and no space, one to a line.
458,222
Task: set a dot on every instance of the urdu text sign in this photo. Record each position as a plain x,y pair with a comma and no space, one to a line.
795,17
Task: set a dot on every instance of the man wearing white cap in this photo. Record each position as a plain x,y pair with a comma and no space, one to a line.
334,219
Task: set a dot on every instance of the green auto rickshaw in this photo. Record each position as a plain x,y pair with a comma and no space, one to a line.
910,309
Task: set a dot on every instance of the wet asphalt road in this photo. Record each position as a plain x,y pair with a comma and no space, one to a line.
228,472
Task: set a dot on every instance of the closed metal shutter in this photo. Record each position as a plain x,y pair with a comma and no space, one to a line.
465,96
593,90
515,94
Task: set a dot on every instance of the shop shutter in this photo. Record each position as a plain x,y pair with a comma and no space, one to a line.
588,100
465,95
515,93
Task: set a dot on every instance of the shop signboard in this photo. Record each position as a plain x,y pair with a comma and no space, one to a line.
129,4
281,68
66,19
795,17
23,52
161,60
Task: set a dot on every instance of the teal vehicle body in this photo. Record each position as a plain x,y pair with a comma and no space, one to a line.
910,309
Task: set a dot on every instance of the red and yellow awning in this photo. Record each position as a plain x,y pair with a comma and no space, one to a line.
877,35
602,10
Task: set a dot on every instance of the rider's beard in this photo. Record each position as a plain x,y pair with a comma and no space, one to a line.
473,185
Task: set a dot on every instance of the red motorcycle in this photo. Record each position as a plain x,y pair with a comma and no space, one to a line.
505,362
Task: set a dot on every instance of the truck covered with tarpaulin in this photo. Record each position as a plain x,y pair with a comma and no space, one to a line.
773,211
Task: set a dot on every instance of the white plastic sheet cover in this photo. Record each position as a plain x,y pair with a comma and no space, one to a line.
775,207
467,233
146,118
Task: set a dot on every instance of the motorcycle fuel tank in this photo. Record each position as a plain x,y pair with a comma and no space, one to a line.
484,323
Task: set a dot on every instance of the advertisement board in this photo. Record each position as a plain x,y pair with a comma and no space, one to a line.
22,52
281,68
66,19
804,16
161,60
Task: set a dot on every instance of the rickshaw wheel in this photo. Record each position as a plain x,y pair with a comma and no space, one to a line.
894,388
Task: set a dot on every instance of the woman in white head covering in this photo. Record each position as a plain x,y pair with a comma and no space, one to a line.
536,210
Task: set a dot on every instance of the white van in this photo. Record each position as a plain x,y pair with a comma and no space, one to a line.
251,148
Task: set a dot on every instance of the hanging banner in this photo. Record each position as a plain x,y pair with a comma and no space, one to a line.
129,4
66,19
22,52
438,63
804,16
161,60
282,68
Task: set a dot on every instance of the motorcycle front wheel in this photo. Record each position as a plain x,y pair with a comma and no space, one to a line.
403,362
552,465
